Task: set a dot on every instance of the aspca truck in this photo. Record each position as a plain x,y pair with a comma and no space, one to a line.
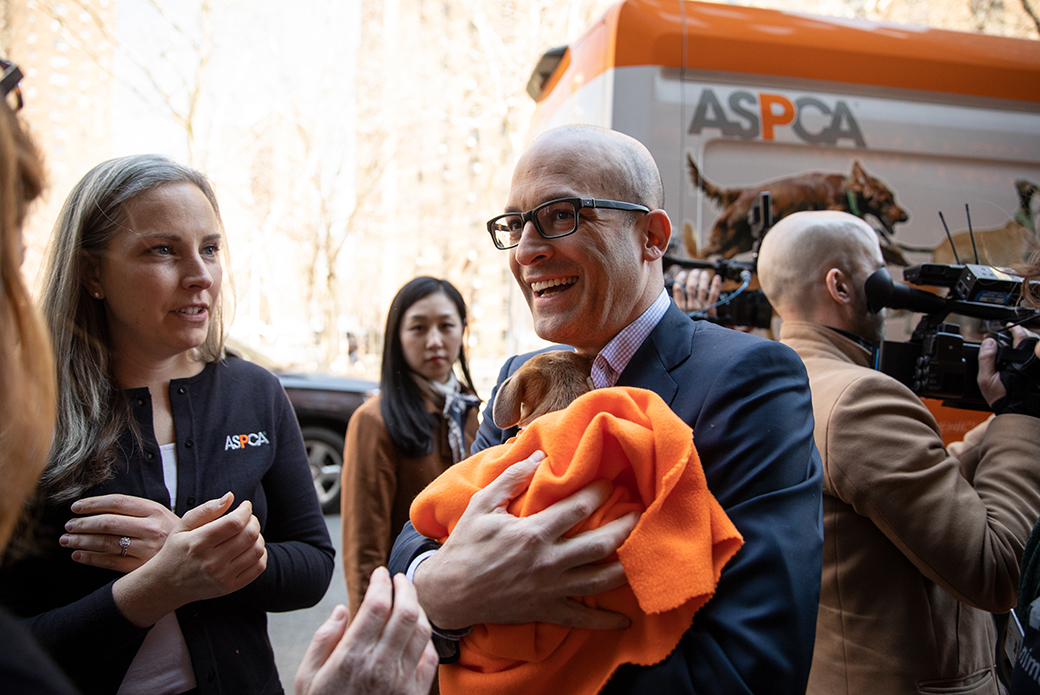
893,123
911,121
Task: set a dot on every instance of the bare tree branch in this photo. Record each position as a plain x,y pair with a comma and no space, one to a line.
184,117
1032,14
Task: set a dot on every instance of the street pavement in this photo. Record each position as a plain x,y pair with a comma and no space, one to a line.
291,632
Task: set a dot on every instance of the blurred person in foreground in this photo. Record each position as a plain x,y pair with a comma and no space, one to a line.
423,420
585,234
919,546
26,386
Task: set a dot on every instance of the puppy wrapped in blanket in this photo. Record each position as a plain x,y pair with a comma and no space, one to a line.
673,559
547,382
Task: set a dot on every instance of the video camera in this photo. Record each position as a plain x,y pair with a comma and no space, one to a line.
739,307
736,307
937,362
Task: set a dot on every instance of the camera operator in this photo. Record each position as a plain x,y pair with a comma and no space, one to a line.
918,548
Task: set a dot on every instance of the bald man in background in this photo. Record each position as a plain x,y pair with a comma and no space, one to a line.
919,547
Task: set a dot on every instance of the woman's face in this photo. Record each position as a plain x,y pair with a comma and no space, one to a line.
431,336
160,274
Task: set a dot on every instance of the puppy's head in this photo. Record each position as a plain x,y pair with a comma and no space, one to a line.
546,382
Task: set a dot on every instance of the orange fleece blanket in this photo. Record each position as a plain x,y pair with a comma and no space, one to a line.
673,558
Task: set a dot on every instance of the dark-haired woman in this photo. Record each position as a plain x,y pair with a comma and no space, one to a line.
423,420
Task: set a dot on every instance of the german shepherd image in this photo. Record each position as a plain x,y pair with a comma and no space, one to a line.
858,193
1004,246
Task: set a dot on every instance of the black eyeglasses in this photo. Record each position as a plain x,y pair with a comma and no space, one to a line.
553,220
9,83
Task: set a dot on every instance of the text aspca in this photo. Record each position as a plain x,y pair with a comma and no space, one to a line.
241,441
750,115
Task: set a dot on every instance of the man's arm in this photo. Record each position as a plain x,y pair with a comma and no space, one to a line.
409,544
754,434
887,460
498,568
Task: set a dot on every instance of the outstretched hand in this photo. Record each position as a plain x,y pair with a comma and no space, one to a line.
387,649
499,568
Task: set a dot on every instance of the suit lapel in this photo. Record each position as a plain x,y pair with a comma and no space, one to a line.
667,347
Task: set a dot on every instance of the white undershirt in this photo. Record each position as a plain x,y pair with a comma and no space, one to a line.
162,665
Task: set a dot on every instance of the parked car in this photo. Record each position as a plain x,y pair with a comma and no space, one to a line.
323,404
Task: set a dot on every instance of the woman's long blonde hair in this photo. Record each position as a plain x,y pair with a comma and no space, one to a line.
93,412
26,364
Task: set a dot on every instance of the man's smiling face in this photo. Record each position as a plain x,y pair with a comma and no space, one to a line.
582,288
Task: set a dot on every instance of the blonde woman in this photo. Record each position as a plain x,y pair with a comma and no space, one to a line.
177,507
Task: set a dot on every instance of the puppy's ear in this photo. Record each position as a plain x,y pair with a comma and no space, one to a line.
506,412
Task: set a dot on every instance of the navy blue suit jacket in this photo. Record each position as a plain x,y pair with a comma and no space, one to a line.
748,402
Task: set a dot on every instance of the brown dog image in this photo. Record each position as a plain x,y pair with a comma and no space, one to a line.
545,383
1004,246
858,193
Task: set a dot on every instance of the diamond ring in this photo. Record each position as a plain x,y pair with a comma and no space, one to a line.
124,543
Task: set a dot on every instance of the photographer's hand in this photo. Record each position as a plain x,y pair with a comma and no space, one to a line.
696,289
989,380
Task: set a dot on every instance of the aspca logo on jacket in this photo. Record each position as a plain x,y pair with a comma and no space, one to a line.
241,441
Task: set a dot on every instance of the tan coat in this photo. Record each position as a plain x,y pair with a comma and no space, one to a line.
917,551
378,488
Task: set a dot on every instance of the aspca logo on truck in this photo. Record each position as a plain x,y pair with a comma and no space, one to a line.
748,115
241,441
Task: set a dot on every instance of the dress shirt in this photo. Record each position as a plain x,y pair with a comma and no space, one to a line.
613,358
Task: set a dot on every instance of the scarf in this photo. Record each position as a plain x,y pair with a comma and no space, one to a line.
453,403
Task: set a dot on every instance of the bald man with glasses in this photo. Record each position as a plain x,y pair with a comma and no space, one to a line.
584,233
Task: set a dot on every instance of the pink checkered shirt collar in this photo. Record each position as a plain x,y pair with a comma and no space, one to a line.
613,359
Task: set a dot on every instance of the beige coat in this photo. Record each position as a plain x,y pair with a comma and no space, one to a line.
917,551
378,488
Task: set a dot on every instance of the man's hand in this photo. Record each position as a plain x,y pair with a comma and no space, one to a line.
695,289
95,535
387,649
498,568
990,385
